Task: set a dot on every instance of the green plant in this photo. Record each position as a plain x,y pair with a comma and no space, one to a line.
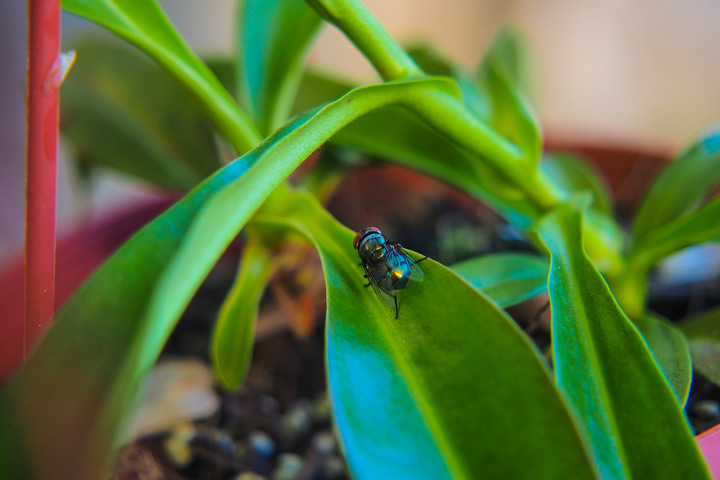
436,393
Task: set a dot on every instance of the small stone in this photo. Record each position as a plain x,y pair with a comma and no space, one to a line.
289,467
296,422
707,409
177,445
321,409
268,405
333,468
261,448
249,476
324,443
224,442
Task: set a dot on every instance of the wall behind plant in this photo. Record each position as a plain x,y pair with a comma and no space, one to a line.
629,69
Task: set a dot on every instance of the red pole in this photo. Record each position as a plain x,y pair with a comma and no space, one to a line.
41,177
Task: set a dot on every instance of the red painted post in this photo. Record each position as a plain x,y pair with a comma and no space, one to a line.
41,176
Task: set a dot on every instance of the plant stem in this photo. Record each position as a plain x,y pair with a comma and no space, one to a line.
445,112
42,134
362,28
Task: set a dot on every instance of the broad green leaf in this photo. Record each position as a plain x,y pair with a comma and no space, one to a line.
703,336
272,37
670,348
90,370
681,186
510,113
234,333
605,369
145,25
398,136
574,175
121,111
507,278
697,227
426,396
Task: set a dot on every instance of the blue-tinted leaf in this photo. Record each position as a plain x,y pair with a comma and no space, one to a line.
602,364
424,396
507,278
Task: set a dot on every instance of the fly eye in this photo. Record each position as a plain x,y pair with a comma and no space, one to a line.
362,233
357,239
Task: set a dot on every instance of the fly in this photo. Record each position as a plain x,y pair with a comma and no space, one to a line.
388,267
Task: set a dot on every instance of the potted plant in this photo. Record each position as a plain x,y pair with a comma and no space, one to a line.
443,383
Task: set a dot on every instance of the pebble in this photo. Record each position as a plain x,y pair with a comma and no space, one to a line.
177,445
707,409
297,422
261,449
289,467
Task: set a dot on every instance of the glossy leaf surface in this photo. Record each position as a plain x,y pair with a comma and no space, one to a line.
681,185
146,26
424,396
507,278
604,367
121,111
272,36
234,333
703,335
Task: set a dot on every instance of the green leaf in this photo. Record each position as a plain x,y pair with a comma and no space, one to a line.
510,113
424,396
272,37
399,136
670,348
703,335
79,383
604,367
573,175
681,186
90,370
691,229
145,25
121,111
234,333
507,278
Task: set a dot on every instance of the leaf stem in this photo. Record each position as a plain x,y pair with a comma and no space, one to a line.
352,17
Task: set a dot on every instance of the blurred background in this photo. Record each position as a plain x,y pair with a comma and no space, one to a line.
634,71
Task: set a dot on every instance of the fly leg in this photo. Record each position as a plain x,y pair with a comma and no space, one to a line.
396,307
367,284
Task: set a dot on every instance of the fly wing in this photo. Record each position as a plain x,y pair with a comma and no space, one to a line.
416,272
378,284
